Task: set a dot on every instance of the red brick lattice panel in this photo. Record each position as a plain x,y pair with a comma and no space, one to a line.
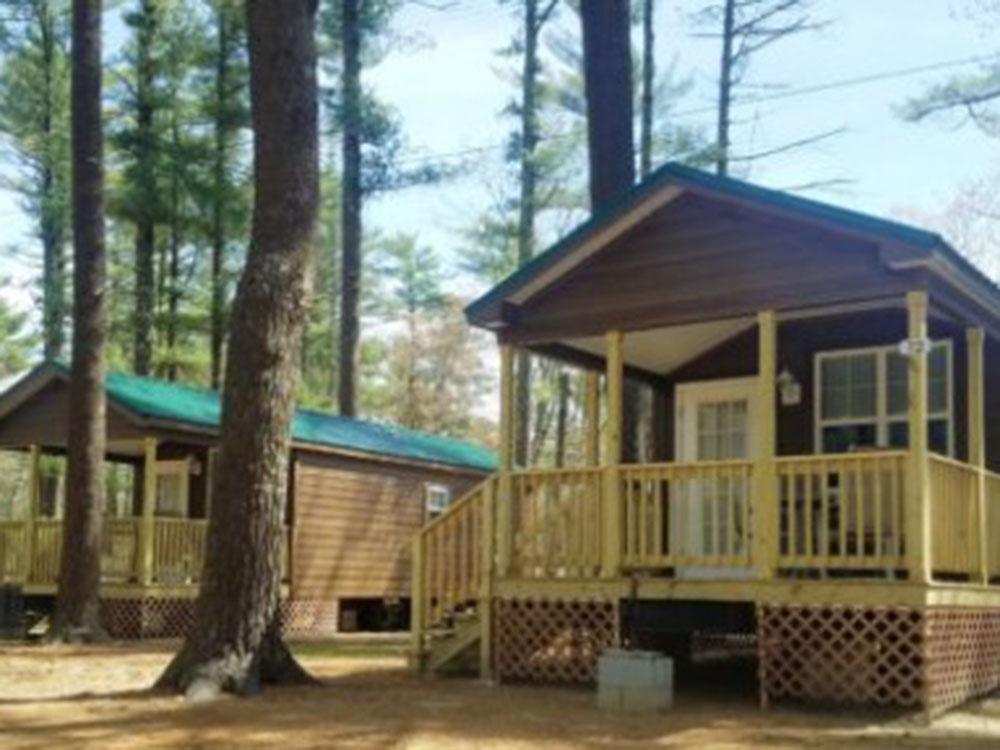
130,619
838,653
309,618
963,649
552,641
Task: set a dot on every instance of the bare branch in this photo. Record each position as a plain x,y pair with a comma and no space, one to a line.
801,143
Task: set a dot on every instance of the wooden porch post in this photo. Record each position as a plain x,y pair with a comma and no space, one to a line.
975,338
31,512
485,606
147,526
611,508
765,485
592,420
918,491
417,603
505,498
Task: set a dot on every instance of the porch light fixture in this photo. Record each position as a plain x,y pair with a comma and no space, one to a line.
789,388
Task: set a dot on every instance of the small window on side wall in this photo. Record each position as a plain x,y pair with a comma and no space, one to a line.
437,497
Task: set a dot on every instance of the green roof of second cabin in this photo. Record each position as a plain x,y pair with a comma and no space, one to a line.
176,403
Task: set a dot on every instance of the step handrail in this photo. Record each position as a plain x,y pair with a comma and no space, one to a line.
452,558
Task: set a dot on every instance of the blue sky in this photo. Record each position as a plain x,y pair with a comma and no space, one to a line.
450,96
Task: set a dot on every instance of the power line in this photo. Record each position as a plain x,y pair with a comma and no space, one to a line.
844,83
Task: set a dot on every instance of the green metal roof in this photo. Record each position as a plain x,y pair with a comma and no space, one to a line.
199,407
705,182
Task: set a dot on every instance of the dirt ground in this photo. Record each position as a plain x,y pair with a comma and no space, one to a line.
96,697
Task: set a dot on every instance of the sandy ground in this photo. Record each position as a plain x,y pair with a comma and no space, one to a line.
96,698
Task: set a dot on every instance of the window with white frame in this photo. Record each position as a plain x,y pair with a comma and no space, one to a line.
862,399
437,497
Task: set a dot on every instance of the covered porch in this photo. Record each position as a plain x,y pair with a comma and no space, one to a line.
824,458
154,537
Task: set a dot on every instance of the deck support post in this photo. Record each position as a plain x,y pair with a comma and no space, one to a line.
148,521
765,485
975,338
417,609
592,420
611,508
918,487
505,499
485,604
31,512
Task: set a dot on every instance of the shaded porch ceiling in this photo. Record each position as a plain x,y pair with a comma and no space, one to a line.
663,350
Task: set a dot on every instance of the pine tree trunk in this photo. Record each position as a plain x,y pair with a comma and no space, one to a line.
725,88
526,214
607,64
235,644
562,415
77,615
52,216
145,230
220,192
173,282
350,216
648,82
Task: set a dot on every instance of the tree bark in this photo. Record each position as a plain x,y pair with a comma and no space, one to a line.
235,644
607,68
648,82
526,215
562,414
145,229
222,129
350,212
52,214
725,89
77,615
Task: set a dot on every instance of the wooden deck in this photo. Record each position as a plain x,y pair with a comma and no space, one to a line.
30,555
837,534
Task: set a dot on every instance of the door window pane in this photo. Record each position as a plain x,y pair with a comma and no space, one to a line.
937,366
170,495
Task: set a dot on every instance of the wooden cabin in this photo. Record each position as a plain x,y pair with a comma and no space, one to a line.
825,476
358,491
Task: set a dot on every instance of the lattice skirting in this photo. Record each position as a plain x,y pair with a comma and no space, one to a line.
963,655
934,659
848,654
552,641
130,619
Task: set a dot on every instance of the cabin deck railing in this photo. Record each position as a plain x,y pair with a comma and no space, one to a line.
448,559
30,552
841,516
842,512
687,515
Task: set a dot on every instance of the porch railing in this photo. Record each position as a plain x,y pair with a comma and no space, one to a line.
687,515
555,518
842,512
178,551
954,517
448,556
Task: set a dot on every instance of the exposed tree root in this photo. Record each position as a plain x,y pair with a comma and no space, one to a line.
203,673
82,627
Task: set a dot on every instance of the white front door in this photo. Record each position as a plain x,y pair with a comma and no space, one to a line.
712,423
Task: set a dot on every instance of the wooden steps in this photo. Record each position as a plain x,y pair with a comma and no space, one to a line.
446,653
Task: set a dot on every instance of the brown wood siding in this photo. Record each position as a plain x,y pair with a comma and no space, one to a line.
354,521
799,341
42,420
695,260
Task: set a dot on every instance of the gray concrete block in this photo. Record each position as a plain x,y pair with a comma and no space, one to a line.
634,681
